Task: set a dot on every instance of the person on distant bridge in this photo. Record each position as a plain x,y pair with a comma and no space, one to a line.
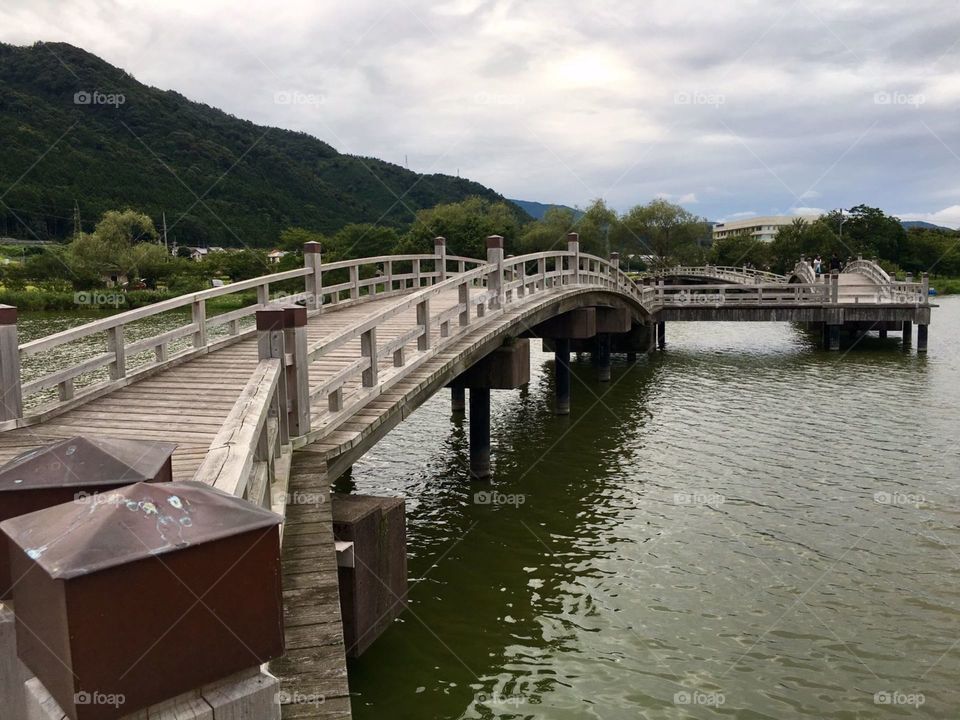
835,263
817,265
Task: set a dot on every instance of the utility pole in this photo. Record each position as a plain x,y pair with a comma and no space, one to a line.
167,247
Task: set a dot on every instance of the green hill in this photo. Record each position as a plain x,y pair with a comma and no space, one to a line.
220,180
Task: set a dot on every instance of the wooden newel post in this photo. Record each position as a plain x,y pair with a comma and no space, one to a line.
11,406
271,344
924,288
440,250
314,281
573,246
297,370
615,263
835,286
495,278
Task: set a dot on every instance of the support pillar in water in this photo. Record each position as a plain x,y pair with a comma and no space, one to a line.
479,433
603,357
562,371
458,399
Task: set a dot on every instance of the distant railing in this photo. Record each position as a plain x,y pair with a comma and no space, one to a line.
726,272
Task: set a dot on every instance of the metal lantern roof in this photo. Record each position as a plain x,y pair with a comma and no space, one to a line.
86,461
131,523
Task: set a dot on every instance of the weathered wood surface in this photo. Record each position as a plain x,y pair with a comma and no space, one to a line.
313,673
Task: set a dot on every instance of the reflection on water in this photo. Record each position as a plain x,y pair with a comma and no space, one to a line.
743,526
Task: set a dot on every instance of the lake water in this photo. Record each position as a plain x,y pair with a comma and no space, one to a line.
741,526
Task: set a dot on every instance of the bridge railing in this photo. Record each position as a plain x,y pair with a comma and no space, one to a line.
420,327
736,274
60,370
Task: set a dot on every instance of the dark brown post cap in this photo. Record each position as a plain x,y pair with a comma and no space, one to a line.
614,256
494,241
439,240
573,237
270,318
311,247
294,316
8,315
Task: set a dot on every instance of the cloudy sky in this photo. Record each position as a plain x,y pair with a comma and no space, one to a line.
731,107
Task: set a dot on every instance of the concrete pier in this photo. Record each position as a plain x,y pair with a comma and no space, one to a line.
603,357
458,400
922,338
561,356
479,433
907,333
662,334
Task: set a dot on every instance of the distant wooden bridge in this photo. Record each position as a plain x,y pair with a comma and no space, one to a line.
277,398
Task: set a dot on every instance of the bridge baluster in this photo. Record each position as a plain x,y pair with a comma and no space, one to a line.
573,246
440,250
423,320
495,278
368,348
463,298
313,283
11,405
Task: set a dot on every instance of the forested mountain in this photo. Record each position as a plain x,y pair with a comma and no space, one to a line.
67,138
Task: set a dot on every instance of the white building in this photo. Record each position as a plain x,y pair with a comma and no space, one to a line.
763,228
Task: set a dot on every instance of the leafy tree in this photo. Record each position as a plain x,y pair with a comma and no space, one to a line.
668,232
465,225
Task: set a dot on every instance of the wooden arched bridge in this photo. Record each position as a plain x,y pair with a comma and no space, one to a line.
272,400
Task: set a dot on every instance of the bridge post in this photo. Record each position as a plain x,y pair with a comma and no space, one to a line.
314,281
561,355
834,337
368,349
495,278
661,334
835,286
11,405
458,399
615,275
921,338
354,282
907,333
924,287
603,356
298,372
271,344
479,433
573,246
440,250
883,333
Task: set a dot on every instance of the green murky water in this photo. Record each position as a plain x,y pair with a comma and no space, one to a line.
742,526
